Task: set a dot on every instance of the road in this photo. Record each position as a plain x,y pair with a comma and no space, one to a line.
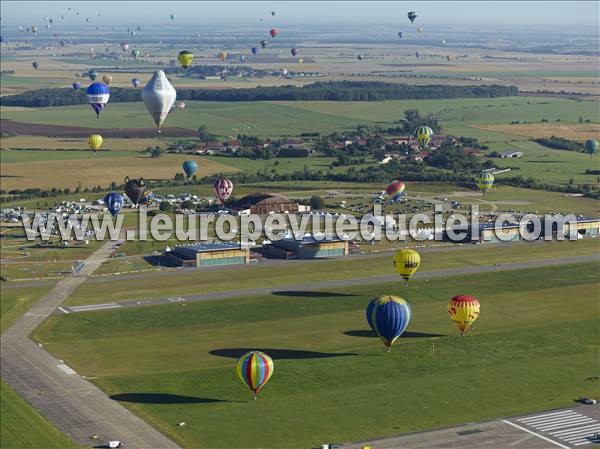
75,406
337,283
569,428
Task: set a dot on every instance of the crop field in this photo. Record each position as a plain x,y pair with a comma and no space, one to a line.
94,171
181,282
579,132
175,363
65,143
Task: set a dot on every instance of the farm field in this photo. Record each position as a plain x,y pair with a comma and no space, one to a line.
181,282
94,171
112,144
175,363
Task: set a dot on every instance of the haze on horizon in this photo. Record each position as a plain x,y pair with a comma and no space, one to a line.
533,13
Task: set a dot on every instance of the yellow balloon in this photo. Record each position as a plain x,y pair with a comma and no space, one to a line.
185,58
463,310
95,142
223,56
300,60
407,262
107,79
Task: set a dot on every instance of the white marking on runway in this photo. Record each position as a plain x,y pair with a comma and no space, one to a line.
569,426
110,305
535,434
66,369
63,310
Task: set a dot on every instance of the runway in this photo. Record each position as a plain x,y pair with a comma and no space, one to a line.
316,286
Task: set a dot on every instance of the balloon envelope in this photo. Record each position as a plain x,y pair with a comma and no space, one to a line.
95,142
107,79
254,368
98,95
423,135
484,181
463,310
273,32
223,189
395,190
254,50
190,167
159,96
389,316
591,146
135,82
76,85
185,58
407,262
114,202
135,189
412,16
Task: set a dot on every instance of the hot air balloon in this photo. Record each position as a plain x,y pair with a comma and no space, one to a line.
591,146
448,57
283,72
92,74
254,50
223,56
135,53
190,167
76,85
172,17
484,181
389,316
254,368
135,189
412,16
223,188
185,58
420,29
135,82
242,58
407,262
95,142
443,41
98,95
87,19
272,13
159,96
423,135
114,202
400,34
359,57
294,51
273,32
124,46
34,30
463,310
107,79
181,105
35,64
300,60
264,43
418,54
395,190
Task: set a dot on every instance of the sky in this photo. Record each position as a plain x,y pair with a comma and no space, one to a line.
503,13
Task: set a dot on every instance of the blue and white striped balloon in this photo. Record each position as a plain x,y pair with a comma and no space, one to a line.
98,95
389,317
114,202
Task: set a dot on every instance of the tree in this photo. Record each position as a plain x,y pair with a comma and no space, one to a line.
203,133
316,202
156,152
188,204
165,206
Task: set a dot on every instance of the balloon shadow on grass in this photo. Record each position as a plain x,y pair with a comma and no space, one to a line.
372,334
162,398
311,294
278,354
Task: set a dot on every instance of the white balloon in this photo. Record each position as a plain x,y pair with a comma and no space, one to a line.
159,95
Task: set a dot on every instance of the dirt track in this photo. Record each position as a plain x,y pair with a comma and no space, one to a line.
33,129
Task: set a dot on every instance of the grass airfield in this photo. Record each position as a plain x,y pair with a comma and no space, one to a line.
333,380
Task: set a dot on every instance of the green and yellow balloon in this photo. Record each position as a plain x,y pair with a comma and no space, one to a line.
484,181
185,58
423,136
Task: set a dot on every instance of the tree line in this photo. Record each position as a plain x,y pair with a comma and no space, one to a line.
323,91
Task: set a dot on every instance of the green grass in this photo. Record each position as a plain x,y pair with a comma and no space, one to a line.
533,348
180,282
21,427
15,301
16,156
